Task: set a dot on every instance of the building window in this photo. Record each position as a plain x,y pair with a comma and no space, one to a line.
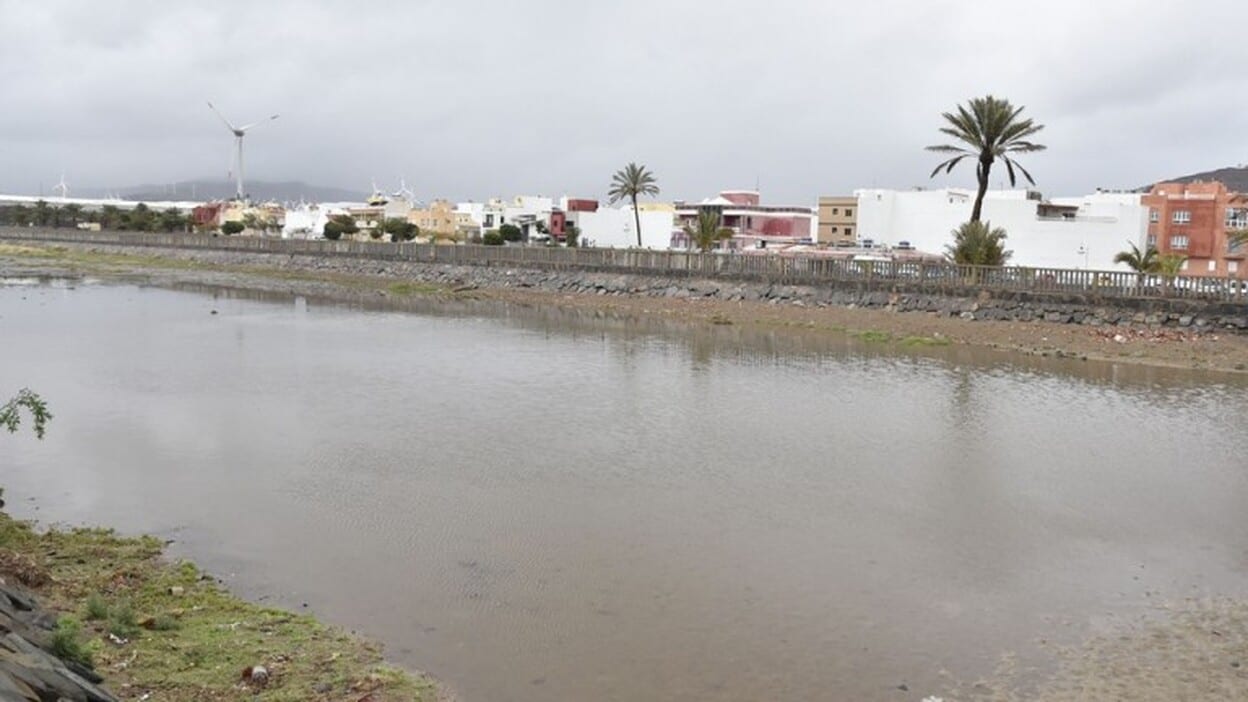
1178,242
849,212
833,230
836,210
1213,266
1232,266
1182,217
1184,266
1154,216
1152,241
849,231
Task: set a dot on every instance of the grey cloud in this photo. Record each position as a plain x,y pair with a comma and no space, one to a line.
473,99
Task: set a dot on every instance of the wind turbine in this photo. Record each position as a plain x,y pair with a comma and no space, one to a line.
404,192
63,187
239,133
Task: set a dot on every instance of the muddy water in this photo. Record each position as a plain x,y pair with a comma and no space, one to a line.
540,505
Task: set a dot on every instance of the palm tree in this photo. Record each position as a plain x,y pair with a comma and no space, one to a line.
629,183
1169,265
708,231
1140,262
989,129
978,244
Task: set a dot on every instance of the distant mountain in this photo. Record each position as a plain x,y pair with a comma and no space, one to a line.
1235,178
258,190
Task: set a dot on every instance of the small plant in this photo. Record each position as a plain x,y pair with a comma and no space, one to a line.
164,622
65,642
97,608
121,621
492,238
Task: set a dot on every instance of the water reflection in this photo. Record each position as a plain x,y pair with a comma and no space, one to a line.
627,507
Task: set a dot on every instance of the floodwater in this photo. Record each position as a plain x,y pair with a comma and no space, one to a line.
536,504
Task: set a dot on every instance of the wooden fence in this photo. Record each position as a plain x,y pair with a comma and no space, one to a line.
775,268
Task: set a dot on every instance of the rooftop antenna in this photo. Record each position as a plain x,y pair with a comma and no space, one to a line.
239,133
62,186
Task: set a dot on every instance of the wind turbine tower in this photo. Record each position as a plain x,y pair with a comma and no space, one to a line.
62,187
239,133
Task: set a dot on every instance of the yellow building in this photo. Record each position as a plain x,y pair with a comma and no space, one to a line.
656,207
838,220
438,218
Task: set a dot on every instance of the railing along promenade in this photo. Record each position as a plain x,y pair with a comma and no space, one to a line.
784,269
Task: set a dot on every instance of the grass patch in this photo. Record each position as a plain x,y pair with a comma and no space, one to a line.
189,639
412,289
919,341
97,607
872,336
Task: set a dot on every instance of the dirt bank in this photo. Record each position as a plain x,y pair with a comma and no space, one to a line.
1124,343
157,630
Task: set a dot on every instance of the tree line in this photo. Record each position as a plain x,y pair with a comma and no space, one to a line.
140,219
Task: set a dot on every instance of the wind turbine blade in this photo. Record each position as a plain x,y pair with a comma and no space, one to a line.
253,124
223,119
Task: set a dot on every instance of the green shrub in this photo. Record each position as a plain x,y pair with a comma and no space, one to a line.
510,232
228,228
492,238
164,622
65,643
97,608
121,621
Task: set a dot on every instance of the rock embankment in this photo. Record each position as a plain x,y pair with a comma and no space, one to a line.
986,305
29,670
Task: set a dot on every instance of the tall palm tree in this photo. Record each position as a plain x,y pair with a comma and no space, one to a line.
708,231
1138,261
988,129
629,183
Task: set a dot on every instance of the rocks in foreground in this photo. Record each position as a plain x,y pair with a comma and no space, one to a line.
29,670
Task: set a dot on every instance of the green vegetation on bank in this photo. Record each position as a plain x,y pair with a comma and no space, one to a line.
184,637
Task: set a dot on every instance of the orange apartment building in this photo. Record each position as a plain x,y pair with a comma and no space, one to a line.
1193,219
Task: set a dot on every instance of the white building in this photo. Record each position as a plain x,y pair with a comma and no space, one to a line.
615,227
1071,232
524,211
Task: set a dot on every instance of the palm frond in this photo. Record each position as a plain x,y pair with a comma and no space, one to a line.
990,128
947,166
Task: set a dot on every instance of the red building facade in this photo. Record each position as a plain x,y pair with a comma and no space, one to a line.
1193,220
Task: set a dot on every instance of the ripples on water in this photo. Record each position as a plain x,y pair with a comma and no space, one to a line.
540,504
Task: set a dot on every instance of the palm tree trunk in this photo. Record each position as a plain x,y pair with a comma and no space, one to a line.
637,221
982,173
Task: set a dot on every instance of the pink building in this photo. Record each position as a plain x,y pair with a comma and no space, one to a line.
754,224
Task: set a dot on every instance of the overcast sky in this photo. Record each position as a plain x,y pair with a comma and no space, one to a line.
472,99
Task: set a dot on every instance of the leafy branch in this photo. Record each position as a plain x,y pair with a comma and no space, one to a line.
11,416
